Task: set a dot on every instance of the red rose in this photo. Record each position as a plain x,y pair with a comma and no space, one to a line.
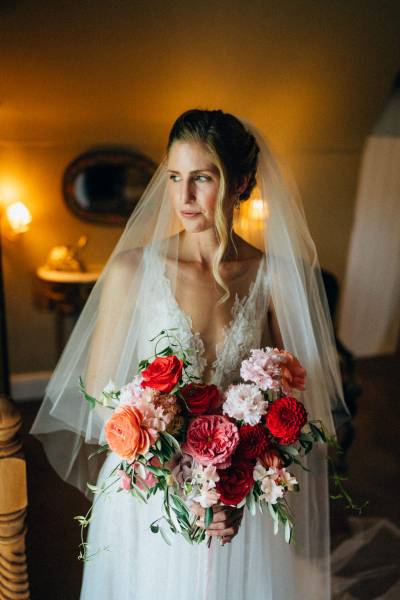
163,373
253,441
201,398
235,482
285,418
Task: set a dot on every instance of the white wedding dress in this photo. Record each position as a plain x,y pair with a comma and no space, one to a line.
138,564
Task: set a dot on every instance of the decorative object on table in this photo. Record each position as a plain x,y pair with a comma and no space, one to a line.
103,185
14,581
65,294
66,258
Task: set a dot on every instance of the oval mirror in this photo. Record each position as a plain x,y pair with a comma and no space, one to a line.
104,185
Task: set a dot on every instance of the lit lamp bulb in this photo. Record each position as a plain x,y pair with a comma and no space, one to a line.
257,210
18,217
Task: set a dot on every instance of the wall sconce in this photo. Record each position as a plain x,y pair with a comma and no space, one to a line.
257,210
249,221
18,218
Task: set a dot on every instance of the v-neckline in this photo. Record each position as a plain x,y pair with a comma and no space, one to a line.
239,305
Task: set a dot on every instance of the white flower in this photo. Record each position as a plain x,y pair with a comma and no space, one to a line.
245,402
131,392
205,475
140,470
106,394
259,472
287,479
208,496
271,491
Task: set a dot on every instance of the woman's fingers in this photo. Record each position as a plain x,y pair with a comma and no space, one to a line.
222,520
229,531
197,509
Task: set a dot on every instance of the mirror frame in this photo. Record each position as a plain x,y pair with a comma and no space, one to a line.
103,156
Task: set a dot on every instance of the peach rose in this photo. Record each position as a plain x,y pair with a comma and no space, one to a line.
293,375
125,433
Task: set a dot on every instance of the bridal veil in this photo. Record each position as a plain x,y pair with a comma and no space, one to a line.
105,340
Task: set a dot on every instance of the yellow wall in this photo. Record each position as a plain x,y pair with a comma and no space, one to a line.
312,76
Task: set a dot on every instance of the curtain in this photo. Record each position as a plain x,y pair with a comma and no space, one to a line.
370,311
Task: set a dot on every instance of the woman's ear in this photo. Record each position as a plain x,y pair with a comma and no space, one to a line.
242,185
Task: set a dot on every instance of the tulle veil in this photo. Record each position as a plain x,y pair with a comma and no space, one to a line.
105,341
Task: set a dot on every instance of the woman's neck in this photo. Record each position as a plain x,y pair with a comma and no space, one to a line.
201,247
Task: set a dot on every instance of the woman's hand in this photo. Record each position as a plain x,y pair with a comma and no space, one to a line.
225,524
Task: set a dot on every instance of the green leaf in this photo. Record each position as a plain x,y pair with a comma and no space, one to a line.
306,437
92,487
100,450
251,503
291,450
272,512
179,503
182,519
165,537
139,493
186,536
319,436
171,440
208,517
288,532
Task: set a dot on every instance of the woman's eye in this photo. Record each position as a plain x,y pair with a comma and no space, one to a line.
202,178
174,178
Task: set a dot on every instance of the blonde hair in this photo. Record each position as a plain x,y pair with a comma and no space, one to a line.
235,153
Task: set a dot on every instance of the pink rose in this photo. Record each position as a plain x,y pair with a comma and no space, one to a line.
149,481
146,477
124,480
211,440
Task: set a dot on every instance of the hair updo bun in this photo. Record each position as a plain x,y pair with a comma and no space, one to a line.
227,138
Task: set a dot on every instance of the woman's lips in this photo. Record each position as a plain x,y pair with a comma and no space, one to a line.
189,215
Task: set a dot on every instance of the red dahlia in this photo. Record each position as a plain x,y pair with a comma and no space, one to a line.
253,441
285,418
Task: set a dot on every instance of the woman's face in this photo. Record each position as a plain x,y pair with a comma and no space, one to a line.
193,184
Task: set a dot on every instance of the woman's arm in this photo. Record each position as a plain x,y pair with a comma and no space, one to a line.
273,328
113,321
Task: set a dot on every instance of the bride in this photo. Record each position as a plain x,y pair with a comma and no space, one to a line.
186,262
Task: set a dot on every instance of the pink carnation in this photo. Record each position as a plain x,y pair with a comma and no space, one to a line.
272,369
263,368
131,391
211,440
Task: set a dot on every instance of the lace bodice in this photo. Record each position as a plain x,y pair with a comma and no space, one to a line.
243,332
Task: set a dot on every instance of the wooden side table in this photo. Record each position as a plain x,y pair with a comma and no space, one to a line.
64,293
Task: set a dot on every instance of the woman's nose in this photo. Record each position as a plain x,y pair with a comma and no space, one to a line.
187,192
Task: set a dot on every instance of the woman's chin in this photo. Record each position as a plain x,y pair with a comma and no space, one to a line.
196,227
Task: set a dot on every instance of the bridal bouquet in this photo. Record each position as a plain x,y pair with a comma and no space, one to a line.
196,443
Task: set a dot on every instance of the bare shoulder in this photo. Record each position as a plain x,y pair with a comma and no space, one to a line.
124,266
